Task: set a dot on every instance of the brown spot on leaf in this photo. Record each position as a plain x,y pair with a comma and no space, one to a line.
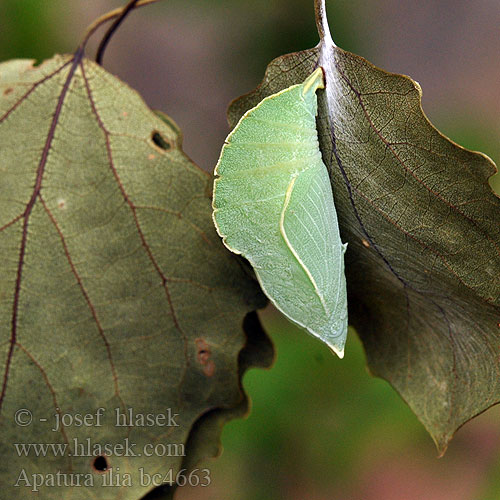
209,369
8,91
204,357
151,156
365,243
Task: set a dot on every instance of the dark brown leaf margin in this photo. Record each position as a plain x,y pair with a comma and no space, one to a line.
258,352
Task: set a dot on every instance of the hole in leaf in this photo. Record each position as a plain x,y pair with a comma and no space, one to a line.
100,464
158,139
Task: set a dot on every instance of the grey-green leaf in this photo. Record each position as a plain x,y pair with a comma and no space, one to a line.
423,266
115,290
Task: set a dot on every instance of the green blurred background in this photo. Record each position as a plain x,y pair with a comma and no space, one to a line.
320,428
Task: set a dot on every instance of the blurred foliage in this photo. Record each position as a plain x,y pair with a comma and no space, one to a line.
314,415
491,490
316,421
319,424
28,29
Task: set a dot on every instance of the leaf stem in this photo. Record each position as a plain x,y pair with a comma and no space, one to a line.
322,22
118,14
107,37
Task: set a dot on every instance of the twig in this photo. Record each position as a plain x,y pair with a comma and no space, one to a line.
118,14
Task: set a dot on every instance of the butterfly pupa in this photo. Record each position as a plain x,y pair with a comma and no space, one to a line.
273,204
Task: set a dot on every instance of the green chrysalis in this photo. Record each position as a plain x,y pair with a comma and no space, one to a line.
273,204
